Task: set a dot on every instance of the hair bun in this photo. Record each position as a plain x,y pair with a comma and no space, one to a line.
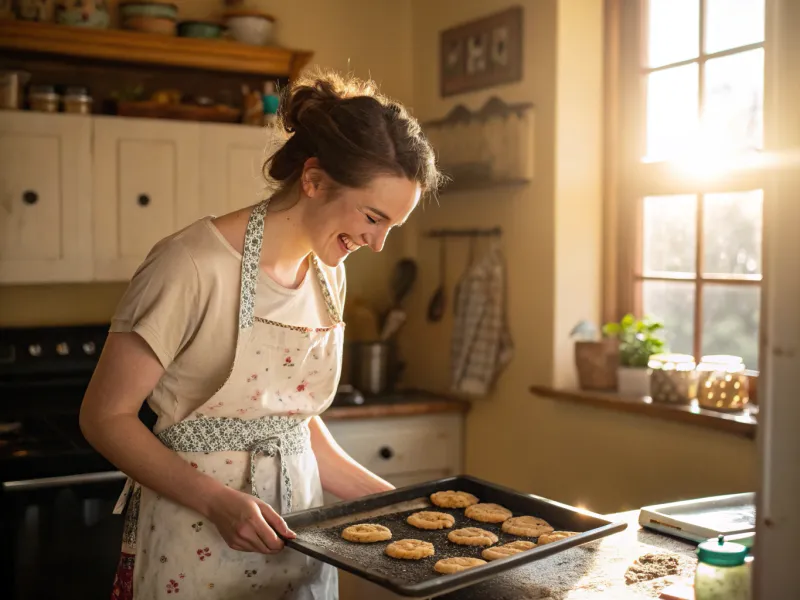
320,90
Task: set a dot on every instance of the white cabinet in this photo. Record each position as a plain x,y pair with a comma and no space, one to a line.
45,198
231,162
85,198
404,451
146,186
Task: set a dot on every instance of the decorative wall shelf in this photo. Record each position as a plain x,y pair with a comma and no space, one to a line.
144,48
485,149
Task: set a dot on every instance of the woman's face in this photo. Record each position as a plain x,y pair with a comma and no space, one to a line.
340,222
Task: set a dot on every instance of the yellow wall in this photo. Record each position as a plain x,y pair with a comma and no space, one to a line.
552,238
372,38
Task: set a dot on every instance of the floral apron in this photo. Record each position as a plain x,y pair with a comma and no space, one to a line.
253,436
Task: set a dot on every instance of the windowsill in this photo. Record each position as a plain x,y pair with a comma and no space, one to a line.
743,424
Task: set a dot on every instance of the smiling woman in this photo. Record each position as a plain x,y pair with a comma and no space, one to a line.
238,351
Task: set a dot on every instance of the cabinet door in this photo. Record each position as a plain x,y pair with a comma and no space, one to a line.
45,197
146,187
231,162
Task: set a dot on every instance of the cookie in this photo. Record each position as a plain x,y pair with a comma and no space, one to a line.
451,499
410,549
526,526
555,536
366,533
487,513
498,552
428,519
456,564
472,536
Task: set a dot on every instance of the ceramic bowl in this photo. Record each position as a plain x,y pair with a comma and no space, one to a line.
158,10
250,27
199,29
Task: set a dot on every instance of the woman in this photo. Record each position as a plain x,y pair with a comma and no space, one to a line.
232,330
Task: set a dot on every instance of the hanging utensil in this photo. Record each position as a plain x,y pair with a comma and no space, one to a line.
403,277
437,304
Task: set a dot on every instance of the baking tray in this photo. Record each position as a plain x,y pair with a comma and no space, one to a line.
318,534
704,518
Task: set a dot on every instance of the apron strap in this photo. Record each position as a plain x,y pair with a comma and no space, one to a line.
251,257
271,447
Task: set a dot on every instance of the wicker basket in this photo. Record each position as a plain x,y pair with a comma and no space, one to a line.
597,364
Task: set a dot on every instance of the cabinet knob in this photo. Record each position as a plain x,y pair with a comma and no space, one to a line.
30,197
386,453
143,199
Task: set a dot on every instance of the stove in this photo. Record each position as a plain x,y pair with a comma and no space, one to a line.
56,492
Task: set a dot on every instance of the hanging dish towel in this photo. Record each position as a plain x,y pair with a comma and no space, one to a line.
482,345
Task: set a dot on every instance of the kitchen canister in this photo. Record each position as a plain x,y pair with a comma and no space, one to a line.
723,384
673,378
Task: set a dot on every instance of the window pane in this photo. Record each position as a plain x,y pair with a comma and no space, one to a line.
733,116
673,304
673,31
730,321
671,111
670,234
733,23
732,225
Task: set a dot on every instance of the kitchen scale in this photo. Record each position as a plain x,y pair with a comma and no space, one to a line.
732,515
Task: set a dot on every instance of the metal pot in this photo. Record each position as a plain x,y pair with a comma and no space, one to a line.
373,366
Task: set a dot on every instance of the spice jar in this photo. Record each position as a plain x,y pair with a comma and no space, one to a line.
721,571
43,98
672,378
723,383
77,101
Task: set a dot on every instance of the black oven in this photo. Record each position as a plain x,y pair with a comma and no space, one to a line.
58,536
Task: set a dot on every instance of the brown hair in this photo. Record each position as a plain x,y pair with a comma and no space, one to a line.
354,131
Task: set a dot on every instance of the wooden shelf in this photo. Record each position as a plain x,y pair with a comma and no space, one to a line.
473,185
135,47
739,424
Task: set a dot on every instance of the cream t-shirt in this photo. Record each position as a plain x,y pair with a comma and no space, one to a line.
183,301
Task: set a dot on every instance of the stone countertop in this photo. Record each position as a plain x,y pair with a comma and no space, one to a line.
398,404
594,571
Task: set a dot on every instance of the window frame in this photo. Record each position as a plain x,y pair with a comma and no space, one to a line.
629,178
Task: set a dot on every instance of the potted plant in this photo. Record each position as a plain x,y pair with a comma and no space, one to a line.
638,340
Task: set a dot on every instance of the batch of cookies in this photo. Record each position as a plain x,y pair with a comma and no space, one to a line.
410,549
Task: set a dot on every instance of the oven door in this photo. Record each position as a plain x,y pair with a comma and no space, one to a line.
59,536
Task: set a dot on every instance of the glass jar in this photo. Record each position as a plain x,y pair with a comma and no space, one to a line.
77,101
43,98
672,378
723,384
722,573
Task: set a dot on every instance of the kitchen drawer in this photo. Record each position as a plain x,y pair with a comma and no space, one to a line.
403,445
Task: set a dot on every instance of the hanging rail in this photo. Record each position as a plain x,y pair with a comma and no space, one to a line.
439,233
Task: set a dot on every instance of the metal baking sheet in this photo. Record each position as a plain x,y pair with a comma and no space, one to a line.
704,518
319,534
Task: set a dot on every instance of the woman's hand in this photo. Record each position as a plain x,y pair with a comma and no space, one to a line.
247,523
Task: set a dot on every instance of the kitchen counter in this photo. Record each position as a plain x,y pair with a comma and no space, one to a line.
404,404
594,571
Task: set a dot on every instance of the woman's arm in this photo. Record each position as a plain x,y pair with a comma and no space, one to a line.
126,373
340,474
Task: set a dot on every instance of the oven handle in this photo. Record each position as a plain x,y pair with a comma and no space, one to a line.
54,482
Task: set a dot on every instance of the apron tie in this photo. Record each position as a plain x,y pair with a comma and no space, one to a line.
271,447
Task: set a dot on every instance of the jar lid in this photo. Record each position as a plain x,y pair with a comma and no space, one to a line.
720,553
671,362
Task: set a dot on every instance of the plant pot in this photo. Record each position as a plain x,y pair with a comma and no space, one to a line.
597,364
633,381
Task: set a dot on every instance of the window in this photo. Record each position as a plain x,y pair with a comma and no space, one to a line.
690,200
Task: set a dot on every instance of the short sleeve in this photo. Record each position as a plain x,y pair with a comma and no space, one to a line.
162,302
